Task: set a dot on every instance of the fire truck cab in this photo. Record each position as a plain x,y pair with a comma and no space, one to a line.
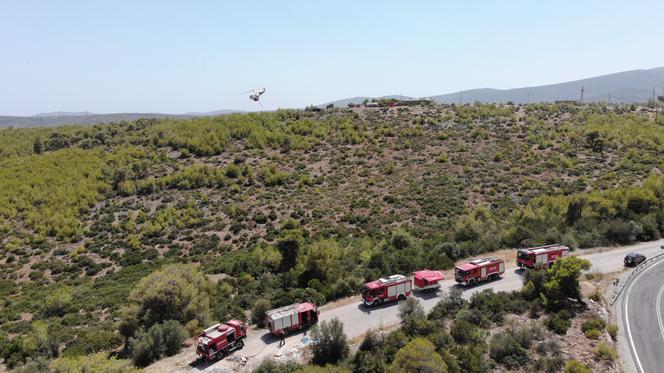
284,320
395,287
479,270
427,280
541,256
220,339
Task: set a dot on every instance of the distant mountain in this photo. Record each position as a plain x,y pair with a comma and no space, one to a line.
628,86
60,118
213,113
63,114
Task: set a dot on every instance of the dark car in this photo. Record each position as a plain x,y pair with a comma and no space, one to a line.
634,259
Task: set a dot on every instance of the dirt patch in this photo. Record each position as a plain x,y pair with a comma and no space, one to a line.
26,316
218,277
575,345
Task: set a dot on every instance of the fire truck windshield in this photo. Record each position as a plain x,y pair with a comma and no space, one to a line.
366,292
523,254
460,272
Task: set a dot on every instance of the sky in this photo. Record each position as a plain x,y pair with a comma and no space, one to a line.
198,56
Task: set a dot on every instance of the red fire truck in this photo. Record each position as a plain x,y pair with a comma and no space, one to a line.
541,256
426,280
284,320
479,270
395,287
220,339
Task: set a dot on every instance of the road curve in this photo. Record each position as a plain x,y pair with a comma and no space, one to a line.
642,318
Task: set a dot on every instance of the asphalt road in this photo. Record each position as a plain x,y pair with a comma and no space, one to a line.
358,319
642,318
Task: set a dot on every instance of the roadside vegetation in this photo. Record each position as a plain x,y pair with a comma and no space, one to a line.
304,205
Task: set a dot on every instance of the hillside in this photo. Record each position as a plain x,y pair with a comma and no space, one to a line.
628,87
293,205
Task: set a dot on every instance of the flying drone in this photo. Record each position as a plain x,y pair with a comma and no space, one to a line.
255,94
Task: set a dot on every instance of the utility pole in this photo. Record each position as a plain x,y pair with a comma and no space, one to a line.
609,98
582,90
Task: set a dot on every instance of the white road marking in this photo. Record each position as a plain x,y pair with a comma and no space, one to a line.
629,333
659,311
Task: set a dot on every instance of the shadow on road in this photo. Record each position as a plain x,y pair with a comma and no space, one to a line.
367,309
269,339
200,364
426,295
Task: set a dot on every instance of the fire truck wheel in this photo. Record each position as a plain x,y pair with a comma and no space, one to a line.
471,282
240,344
401,297
375,303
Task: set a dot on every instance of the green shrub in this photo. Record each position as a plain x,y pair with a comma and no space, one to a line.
270,366
548,365
613,331
261,306
143,349
99,362
575,366
329,344
593,323
418,355
593,334
505,349
593,328
371,342
175,292
160,340
559,322
462,331
605,352
173,334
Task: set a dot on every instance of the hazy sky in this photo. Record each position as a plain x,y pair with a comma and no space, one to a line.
179,56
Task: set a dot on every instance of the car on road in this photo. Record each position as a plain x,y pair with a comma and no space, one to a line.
634,259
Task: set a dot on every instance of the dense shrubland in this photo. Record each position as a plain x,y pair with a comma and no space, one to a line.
301,205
